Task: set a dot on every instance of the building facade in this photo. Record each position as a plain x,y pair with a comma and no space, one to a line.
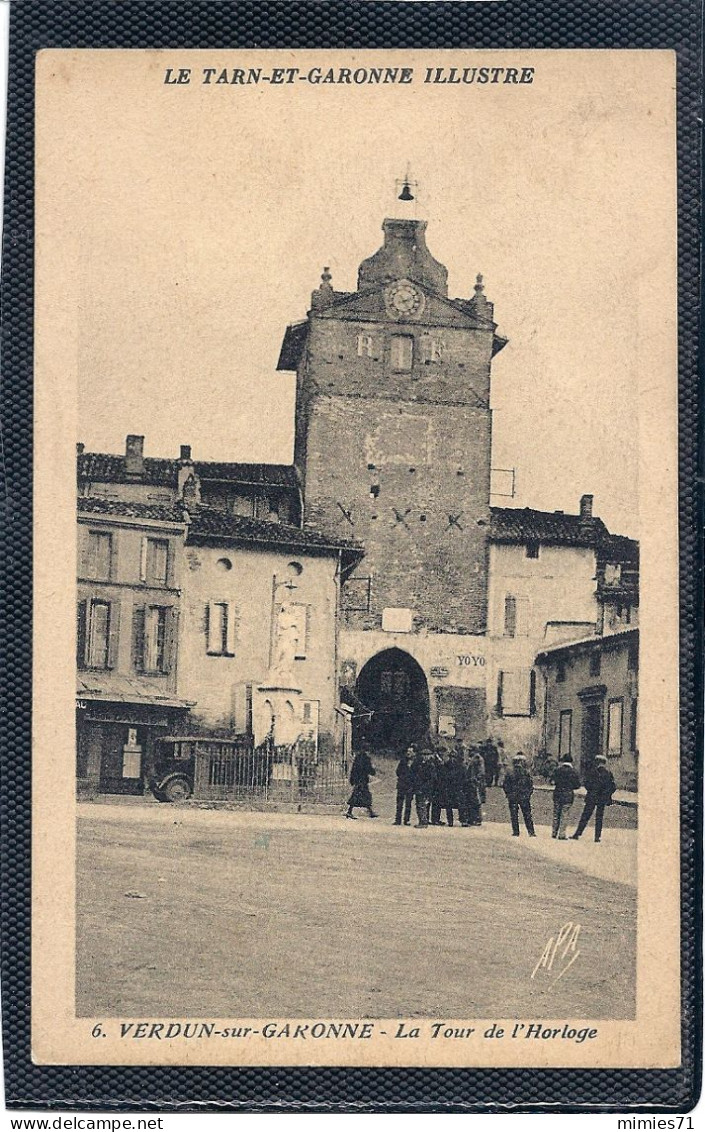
393,443
129,600
199,617
259,616
553,577
591,702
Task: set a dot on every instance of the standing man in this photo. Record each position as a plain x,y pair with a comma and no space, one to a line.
423,777
439,798
565,782
360,774
518,786
600,786
491,757
455,784
405,788
476,791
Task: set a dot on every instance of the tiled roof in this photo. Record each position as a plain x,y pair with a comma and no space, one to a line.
524,524
95,505
109,468
619,548
210,523
608,641
281,475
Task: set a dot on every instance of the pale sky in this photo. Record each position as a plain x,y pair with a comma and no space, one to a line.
195,221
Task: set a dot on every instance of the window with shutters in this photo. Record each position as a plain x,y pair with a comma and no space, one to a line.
99,553
633,724
515,692
98,637
565,731
401,353
595,663
516,615
155,639
510,616
614,728
154,566
220,629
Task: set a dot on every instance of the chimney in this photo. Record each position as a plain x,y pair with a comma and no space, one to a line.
586,508
185,453
191,492
134,456
79,448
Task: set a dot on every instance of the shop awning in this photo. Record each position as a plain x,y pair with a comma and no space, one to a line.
113,688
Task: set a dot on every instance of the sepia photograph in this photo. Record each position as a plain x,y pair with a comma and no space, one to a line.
356,463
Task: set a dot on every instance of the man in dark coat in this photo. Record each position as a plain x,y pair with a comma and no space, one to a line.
360,774
439,798
518,786
455,784
600,786
491,757
405,787
475,787
423,779
565,783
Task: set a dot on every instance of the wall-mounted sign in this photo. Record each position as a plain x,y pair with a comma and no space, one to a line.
438,672
397,620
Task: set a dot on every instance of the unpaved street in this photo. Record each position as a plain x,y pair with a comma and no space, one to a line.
235,914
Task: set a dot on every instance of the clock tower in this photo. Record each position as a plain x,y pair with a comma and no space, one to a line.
393,440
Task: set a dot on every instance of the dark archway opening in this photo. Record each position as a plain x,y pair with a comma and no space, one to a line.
393,687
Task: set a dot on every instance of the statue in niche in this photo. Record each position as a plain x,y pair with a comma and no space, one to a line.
287,638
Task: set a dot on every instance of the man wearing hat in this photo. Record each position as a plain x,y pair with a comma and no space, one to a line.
600,786
518,786
565,782
405,786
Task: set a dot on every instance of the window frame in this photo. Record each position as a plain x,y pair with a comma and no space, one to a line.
226,642
610,751
395,367
92,661
565,714
147,575
90,557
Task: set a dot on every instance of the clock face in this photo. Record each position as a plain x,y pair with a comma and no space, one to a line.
404,298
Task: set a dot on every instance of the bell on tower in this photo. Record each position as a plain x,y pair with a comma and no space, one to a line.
406,185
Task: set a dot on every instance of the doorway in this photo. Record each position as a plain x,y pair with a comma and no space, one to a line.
591,736
392,685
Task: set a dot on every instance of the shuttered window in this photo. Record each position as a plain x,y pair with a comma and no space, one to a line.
154,638
220,628
401,353
100,623
154,562
510,616
516,616
515,692
99,555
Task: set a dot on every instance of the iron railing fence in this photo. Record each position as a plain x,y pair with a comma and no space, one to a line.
296,772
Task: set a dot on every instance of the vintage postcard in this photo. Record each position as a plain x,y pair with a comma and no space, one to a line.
356,602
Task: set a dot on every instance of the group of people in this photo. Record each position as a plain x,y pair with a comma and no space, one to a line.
438,781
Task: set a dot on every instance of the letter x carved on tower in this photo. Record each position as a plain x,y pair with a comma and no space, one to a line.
454,521
400,517
347,512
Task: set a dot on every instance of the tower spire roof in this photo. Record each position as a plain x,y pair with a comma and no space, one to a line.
404,255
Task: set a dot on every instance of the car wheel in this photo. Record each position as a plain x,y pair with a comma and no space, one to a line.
177,790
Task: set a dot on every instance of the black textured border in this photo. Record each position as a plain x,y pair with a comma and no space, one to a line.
36,24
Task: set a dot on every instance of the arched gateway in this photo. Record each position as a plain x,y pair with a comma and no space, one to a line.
392,685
